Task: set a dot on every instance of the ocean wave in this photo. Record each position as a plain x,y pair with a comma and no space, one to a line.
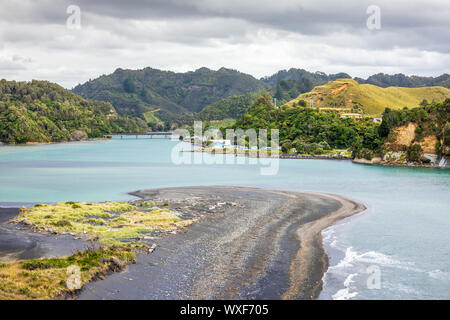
348,271
345,294
355,263
373,258
439,275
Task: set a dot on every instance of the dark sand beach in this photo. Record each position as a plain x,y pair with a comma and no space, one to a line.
21,243
248,244
263,245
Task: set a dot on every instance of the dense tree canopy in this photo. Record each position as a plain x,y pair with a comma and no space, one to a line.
169,95
41,111
430,120
231,107
308,130
286,90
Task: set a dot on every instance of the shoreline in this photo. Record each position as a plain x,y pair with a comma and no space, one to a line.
267,155
31,143
306,233
398,165
248,244
265,244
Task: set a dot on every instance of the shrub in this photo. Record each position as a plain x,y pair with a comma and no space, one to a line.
302,103
286,146
414,153
363,153
35,264
447,135
62,223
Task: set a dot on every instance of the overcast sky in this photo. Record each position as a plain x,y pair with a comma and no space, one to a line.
258,37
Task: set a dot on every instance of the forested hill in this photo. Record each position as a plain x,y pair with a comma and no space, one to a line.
411,136
167,95
380,79
164,98
401,80
231,107
426,128
346,95
41,111
404,136
317,78
235,106
309,131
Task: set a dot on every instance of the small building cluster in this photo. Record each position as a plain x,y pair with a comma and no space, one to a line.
351,115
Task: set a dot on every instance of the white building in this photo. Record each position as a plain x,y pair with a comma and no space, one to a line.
221,144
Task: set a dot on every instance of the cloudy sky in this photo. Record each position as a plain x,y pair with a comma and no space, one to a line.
39,39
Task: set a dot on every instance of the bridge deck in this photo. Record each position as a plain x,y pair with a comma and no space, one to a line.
137,135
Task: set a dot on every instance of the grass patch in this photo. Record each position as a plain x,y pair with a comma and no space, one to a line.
111,223
47,278
344,94
146,204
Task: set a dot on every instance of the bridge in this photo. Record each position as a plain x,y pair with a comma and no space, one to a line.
148,135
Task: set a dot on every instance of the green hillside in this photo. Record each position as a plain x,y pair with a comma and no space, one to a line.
41,111
301,74
307,130
409,134
347,95
168,94
401,80
231,107
427,126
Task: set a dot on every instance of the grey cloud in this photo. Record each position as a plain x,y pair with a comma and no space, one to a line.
421,24
13,63
255,36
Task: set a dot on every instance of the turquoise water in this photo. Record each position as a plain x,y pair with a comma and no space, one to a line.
405,233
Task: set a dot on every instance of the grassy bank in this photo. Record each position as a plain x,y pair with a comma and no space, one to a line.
58,278
117,230
109,222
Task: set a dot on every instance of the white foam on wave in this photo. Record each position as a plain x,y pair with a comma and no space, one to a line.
439,275
328,234
347,261
345,294
346,278
373,258
354,263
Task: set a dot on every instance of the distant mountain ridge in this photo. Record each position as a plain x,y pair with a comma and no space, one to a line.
400,80
167,95
163,97
316,78
346,95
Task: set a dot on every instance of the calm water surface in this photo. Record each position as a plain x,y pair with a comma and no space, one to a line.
404,234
